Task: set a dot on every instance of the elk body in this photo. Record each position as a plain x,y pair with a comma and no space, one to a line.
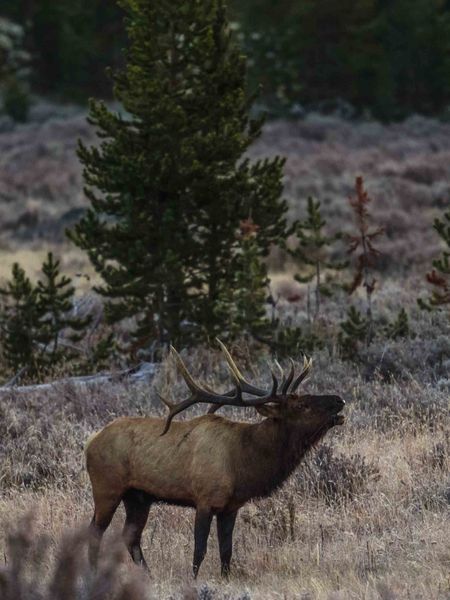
210,463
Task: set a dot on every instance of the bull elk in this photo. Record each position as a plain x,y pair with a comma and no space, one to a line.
210,463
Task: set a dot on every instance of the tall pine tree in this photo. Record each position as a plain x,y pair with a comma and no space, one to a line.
169,184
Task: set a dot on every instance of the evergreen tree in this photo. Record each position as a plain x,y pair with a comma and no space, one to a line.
14,71
400,327
355,330
169,185
313,251
337,49
33,319
71,42
294,341
388,56
56,301
413,73
358,328
309,51
20,322
439,277
243,304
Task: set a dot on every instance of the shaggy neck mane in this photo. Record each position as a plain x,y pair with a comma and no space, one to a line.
283,446
295,444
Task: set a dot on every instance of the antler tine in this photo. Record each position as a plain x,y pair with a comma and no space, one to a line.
307,364
252,402
169,405
282,373
184,372
260,400
175,409
215,407
290,377
280,368
263,395
231,364
273,391
246,387
200,394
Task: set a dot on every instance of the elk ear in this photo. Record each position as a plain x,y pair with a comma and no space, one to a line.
268,411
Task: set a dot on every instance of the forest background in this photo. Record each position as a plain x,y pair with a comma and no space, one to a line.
389,58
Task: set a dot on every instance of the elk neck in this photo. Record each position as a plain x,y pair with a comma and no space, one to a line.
272,450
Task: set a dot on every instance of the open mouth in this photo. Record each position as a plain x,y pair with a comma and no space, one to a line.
338,419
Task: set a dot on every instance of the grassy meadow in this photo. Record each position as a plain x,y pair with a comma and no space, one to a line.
367,516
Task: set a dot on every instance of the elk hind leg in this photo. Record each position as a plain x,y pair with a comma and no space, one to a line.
104,512
203,518
137,506
225,527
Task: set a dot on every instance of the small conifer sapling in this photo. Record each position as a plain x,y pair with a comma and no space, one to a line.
34,319
244,303
313,250
354,332
400,327
439,277
56,301
20,315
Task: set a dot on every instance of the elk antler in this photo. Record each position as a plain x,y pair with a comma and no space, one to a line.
307,364
233,397
286,387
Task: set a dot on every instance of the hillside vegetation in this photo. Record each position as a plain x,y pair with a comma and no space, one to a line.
41,188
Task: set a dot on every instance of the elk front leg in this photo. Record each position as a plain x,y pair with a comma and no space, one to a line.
225,527
203,518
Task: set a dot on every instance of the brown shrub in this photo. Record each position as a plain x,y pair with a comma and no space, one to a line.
23,577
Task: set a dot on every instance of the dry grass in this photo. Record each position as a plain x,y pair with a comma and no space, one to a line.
366,518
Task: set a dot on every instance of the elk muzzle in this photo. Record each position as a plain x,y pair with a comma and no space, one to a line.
333,405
